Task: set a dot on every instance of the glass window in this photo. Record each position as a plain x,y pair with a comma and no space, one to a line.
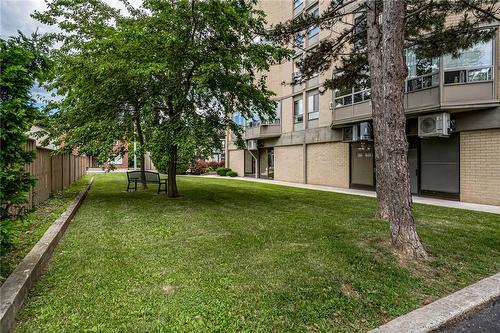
277,112
348,100
297,3
313,105
313,30
480,55
483,74
298,112
359,38
238,119
473,64
360,92
455,76
422,72
418,66
342,92
296,75
254,121
298,40
362,84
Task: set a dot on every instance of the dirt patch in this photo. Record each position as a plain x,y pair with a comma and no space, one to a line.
348,291
168,289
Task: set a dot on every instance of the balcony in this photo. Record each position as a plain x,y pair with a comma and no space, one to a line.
481,94
460,83
263,129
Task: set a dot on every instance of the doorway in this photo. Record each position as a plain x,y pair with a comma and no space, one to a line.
440,167
250,164
413,144
270,163
362,165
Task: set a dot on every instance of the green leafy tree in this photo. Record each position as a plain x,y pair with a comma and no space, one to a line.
22,63
205,61
176,69
104,87
366,45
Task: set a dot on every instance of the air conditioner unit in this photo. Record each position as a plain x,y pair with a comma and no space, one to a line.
436,124
350,133
365,131
252,144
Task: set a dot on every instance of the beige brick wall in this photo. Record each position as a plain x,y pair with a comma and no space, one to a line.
325,114
497,61
289,163
480,166
237,161
287,115
278,11
328,164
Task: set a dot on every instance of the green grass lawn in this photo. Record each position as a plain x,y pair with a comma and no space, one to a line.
240,256
30,228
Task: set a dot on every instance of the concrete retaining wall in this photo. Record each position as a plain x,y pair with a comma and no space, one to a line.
15,289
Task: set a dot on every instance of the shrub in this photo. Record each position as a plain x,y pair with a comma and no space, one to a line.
199,167
214,165
222,171
23,63
231,173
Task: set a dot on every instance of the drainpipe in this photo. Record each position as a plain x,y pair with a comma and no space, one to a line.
257,163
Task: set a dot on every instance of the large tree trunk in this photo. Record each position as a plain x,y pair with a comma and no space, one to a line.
140,136
172,175
389,122
374,36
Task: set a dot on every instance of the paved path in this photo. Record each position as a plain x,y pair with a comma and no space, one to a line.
421,200
485,321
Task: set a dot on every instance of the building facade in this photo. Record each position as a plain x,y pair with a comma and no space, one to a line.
325,138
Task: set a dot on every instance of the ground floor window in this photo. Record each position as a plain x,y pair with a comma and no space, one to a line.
434,166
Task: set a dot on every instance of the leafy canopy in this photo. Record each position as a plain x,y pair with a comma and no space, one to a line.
432,27
22,63
177,69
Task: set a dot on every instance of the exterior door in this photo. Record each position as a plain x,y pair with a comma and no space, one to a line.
249,164
440,167
362,175
270,163
413,164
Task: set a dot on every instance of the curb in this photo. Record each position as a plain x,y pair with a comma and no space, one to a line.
447,309
14,290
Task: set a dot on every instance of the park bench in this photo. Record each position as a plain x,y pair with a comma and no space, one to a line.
152,177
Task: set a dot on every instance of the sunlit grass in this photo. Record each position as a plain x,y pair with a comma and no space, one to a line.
240,256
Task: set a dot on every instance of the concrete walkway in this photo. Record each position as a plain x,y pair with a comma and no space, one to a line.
420,200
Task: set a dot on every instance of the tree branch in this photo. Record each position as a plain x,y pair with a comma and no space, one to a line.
479,9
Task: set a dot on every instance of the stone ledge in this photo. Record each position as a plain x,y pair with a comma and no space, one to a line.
15,289
447,309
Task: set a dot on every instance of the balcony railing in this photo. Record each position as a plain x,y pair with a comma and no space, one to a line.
261,129
433,91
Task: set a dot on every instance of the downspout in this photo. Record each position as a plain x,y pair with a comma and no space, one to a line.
257,164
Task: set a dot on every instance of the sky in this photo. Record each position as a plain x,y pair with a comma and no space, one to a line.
15,15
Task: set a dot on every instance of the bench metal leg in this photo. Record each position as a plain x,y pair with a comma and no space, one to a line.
136,185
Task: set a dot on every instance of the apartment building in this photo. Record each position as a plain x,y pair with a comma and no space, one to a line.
453,123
